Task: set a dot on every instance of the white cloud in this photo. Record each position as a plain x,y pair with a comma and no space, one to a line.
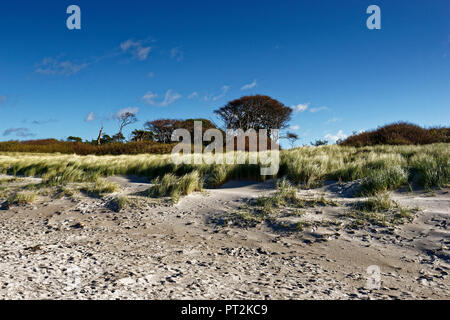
142,53
249,86
137,49
177,54
301,107
169,98
149,97
3,99
90,117
193,95
335,137
52,66
133,110
215,97
314,110
127,45
150,74
295,127
224,91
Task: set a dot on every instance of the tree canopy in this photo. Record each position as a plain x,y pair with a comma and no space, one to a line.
162,129
255,112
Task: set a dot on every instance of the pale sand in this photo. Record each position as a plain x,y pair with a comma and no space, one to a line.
79,248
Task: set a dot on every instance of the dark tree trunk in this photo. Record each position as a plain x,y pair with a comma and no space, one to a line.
99,139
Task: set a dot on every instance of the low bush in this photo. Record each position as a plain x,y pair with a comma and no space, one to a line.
401,133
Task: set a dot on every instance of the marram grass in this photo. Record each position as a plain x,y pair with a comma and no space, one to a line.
174,187
379,168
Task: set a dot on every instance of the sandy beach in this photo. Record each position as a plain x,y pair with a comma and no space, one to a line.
79,247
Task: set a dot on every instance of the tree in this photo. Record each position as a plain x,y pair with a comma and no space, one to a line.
74,139
106,139
141,135
125,119
162,129
99,138
319,143
255,112
188,124
291,137
118,137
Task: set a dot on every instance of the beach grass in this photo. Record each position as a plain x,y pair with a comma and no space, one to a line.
378,168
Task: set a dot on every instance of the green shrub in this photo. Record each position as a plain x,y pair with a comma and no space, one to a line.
401,133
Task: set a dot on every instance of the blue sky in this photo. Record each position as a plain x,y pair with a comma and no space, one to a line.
184,59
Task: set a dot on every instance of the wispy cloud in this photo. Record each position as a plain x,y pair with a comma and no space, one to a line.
19,132
193,95
250,85
332,120
301,107
41,122
335,137
90,117
314,110
150,97
295,127
214,97
224,91
138,49
150,74
177,54
3,99
55,66
169,98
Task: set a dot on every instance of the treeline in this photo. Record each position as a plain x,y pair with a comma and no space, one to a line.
85,148
159,130
155,138
401,133
249,112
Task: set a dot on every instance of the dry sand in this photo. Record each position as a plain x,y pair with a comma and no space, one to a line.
79,248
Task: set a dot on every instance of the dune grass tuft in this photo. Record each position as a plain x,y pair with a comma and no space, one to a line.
175,187
380,210
117,204
431,170
268,208
21,198
384,179
286,196
101,187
